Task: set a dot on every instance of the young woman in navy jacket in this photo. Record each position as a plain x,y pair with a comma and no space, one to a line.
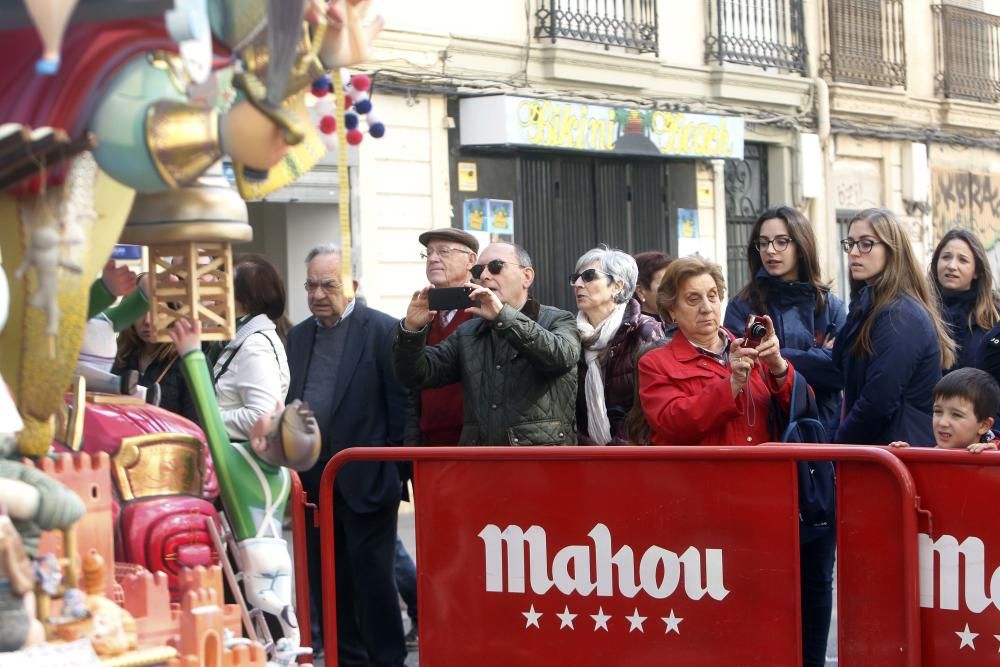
960,273
894,344
786,284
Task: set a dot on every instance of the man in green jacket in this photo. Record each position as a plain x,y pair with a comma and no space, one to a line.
516,359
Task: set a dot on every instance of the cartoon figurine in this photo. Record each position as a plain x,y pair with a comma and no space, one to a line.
44,255
50,18
255,483
35,501
48,574
10,419
18,626
158,123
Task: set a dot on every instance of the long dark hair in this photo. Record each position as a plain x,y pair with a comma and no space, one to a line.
985,313
802,235
129,343
261,291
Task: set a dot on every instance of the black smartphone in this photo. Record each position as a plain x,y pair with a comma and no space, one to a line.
449,298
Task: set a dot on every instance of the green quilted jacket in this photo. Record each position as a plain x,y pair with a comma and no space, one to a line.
518,374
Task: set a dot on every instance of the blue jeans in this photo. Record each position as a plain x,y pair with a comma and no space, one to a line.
406,580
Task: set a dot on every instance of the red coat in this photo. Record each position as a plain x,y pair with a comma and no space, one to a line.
687,399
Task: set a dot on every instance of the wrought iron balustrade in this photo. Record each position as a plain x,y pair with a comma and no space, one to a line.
628,23
967,46
864,42
765,33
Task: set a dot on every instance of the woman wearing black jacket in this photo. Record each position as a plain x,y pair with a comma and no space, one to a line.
960,272
786,284
894,344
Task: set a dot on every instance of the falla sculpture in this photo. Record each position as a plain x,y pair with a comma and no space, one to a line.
120,121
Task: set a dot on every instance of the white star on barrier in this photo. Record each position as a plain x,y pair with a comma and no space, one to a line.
635,621
967,638
532,617
600,619
998,639
673,623
567,619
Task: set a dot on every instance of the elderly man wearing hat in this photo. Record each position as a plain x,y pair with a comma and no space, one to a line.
519,357
450,255
435,415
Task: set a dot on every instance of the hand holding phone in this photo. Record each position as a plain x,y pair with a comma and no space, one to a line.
449,298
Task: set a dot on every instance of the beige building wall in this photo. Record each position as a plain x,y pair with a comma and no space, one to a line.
404,189
490,47
430,48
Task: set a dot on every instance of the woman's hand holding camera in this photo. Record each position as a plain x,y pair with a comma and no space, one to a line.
741,363
769,351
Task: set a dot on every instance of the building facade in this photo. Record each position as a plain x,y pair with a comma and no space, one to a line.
648,124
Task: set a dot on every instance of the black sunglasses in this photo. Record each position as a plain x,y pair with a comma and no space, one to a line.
495,266
589,275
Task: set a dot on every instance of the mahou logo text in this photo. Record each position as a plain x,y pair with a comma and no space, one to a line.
658,574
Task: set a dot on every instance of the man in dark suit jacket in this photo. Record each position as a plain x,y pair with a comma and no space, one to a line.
341,365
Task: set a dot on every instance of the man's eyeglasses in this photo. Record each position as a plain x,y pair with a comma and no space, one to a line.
495,266
780,243
443,252
864,245
588,275
328,286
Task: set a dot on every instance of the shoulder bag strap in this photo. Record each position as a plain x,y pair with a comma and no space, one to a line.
229,359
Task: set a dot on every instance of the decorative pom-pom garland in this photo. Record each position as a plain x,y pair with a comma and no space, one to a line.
356,104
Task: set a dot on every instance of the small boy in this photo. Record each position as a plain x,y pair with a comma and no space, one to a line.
965,402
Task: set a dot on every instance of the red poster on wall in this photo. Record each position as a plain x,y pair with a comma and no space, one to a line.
607,563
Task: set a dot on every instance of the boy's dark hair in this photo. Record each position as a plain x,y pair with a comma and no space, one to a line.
974,385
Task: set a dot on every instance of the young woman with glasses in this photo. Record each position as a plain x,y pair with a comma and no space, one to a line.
612,329
960,273
893,345
785,283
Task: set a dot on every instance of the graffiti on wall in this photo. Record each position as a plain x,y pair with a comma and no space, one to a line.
967,200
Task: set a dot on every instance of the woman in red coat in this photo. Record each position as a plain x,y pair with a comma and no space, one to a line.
706,387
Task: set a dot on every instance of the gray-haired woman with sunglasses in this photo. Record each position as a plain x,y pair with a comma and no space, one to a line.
612,329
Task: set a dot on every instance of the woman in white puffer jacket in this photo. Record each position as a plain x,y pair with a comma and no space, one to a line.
251,372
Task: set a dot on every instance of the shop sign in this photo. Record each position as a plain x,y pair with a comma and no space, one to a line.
543,123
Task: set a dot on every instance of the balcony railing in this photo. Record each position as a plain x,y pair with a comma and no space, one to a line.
628,23
864,41
968,53
764,33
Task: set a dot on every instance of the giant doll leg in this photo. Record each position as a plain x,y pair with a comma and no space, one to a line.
267,571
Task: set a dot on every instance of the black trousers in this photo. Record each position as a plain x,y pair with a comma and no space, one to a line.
369,623
817,547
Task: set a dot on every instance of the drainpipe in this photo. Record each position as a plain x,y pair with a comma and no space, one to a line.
824,210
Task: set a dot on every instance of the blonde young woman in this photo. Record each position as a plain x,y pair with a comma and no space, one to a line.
893,345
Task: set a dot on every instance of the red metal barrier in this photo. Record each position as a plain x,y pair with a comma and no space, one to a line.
298,502
959,547
878,614
694,562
